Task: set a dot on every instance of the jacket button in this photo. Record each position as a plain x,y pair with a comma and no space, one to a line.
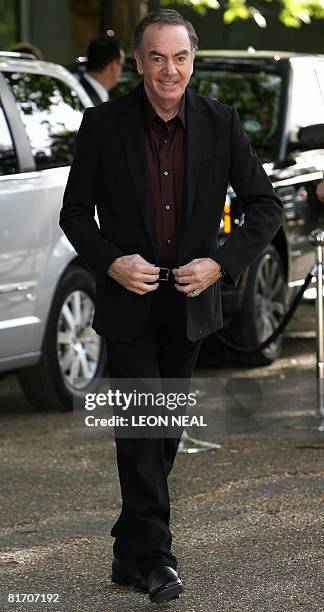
200,331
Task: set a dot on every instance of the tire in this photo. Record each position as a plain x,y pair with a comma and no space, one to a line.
263,305
71,349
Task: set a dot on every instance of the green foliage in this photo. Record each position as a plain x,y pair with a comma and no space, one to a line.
292,13
296,12
237,10
200,6
7,25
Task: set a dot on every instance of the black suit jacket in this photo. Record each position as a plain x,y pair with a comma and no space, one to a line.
109,171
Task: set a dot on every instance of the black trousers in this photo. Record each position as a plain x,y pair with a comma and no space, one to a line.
161,351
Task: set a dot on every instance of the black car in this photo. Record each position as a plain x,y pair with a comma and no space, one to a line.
280,100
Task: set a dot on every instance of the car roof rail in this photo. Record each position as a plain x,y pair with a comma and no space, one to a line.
18,55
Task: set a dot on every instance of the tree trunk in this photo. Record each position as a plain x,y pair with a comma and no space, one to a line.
124,15
85,24
90,18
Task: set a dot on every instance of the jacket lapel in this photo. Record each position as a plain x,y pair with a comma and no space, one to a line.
90,91
131,126
196,134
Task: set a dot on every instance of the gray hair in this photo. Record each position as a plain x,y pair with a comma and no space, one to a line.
163,17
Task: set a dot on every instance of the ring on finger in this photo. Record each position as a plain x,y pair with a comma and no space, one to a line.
194,293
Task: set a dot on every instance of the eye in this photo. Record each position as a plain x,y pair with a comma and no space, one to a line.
181,59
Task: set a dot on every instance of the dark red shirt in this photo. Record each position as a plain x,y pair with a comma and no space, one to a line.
165,158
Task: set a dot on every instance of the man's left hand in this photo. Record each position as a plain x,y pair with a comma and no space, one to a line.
196,276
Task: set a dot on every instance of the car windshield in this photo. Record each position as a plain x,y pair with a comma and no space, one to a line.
256,96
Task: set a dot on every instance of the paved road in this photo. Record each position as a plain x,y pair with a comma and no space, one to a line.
247,518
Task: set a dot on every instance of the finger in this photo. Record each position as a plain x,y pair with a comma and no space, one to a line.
152,287
146,268
143,265
184,279
195,263
142,288
192,272
186,288
187,269
147,278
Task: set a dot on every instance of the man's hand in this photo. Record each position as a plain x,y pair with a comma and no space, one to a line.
196,276
320,191
134,273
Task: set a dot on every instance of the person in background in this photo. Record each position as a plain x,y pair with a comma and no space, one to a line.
320,191
28,47
104,66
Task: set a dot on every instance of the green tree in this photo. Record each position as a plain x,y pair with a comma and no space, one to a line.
292,13
7,25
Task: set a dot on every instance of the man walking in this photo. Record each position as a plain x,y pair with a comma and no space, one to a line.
104,65
157,163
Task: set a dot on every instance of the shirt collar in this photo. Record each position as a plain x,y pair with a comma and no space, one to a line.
100,89
150,113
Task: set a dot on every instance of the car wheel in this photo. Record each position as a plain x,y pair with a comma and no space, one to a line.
263,305
73,355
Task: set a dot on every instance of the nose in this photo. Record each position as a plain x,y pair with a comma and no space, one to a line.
170,67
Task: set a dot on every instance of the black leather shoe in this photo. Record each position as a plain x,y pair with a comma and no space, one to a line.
163,584
126,572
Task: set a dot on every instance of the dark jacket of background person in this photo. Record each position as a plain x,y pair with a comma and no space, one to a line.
94,97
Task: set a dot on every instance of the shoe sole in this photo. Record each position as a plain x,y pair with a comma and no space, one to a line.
171,592
122,581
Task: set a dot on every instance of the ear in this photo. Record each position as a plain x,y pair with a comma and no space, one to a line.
139,61
193,54
115,65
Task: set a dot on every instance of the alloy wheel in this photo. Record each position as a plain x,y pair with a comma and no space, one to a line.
78,346
270,300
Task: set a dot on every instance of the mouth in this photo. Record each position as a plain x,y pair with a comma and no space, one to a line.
168,83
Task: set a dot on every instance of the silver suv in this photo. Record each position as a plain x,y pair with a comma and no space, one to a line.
46,290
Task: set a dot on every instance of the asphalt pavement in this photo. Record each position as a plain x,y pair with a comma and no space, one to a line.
247,518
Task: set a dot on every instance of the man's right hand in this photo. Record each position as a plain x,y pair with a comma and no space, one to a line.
134,273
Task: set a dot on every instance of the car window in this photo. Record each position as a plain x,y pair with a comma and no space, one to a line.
307,107
320,77
8,160
51,113
128,79
256,96
126,83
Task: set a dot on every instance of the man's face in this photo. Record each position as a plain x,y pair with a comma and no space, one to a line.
165,61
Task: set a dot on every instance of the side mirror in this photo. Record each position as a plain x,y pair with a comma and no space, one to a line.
311,136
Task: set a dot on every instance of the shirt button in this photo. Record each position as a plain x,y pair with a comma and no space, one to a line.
167,207
169,241
165,140
165,173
